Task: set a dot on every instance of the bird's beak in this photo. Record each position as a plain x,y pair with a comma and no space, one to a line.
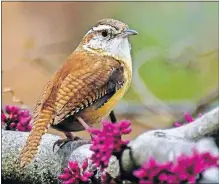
129,32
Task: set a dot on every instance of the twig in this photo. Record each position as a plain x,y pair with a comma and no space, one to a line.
12,92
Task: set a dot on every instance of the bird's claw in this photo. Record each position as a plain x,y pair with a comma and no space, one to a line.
61,142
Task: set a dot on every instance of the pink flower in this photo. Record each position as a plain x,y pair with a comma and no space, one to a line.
184,169
76,174
188,119
177,124
15,118
11,109
107,141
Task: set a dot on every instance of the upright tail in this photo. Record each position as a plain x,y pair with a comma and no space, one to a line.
40,126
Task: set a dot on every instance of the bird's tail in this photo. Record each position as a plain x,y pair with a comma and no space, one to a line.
40,126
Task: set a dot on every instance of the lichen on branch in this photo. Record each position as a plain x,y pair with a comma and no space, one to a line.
164,145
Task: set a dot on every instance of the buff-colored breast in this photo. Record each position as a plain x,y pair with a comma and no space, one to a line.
96,115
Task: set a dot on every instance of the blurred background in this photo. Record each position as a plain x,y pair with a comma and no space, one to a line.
175,55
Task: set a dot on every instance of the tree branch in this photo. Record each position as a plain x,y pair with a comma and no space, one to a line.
163,145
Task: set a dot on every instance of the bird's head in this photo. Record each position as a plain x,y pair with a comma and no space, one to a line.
109,37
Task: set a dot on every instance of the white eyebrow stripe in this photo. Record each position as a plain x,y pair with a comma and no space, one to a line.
102,27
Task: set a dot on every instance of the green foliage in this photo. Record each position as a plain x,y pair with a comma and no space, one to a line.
185,36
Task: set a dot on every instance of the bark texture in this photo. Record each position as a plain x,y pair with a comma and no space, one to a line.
162,144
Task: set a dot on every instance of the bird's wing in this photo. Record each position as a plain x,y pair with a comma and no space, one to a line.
47,97
95,81
79,83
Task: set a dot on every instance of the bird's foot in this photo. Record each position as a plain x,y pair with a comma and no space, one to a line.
84,124
69,137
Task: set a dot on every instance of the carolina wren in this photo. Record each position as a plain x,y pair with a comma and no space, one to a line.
87,87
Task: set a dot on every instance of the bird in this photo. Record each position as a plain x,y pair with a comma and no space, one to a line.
86,88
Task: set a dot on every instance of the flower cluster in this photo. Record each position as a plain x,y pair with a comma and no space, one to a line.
107,141
15,118
76,174
184,170
188,119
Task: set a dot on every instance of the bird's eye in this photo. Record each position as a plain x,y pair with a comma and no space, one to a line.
104,33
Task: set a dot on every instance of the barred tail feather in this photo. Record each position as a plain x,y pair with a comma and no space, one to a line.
40,127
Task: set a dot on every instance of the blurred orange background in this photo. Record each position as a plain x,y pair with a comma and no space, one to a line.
37,37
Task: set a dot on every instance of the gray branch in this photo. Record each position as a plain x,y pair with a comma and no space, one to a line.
163,145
